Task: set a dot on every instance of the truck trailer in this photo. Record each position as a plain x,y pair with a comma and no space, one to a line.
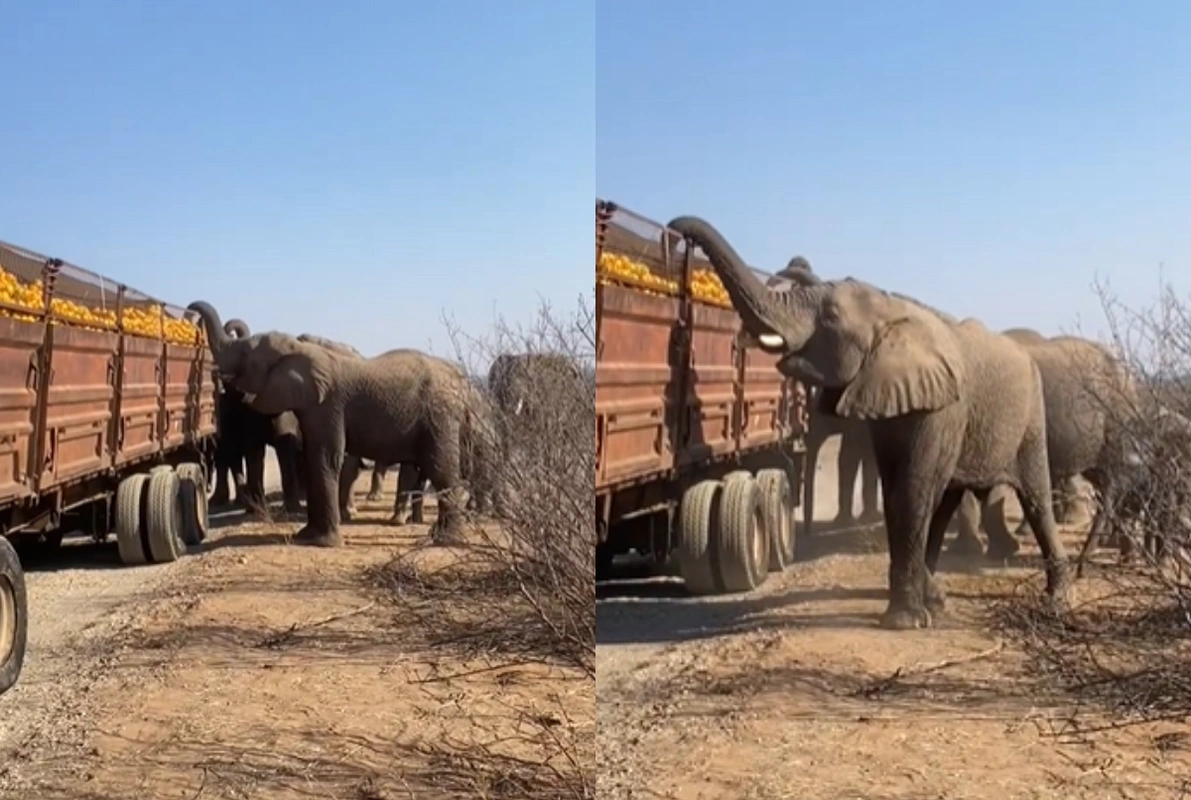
107,421
699,439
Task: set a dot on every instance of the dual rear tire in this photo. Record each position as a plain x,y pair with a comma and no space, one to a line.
161,513
735,532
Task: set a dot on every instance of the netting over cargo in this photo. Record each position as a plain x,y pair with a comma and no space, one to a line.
637,252
32,285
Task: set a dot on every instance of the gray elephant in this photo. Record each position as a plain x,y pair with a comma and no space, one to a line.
856,457
950,406
411,489
400,406
521,383
1089,395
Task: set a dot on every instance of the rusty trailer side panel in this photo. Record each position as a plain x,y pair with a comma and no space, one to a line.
77,403
675,386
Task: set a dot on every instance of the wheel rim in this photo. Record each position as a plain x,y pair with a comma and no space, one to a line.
8,618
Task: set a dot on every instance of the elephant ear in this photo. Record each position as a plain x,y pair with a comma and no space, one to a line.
913,366
294,383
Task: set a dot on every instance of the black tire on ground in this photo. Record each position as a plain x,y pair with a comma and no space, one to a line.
743,542
130,520
777,506
195,516
164,521
14,616
698,516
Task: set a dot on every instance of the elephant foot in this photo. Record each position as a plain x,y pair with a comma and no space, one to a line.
348,512
905,618
934,597
316,538
446,535
1003,548
843,520
372,496
1024,529
219,500
399,518
871,517
417,518
965,545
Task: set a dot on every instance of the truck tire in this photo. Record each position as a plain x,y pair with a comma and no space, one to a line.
194,503
14,616
163,519
778,509
698,516
130,520
737,473
743,542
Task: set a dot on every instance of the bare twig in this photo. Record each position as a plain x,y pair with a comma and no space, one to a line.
278,639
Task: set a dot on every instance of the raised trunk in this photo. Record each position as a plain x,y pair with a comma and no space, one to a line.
217,337
760,309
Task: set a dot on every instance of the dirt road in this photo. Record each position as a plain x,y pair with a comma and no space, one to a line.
793,692
259,669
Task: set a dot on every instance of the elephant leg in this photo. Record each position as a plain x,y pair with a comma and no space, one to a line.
409,495
443,469
378,482
933,596
813,445
222,495
914,485
847,465
967,542
869,512
1034,493
254,485
286,451
349,473
324,448
1001,543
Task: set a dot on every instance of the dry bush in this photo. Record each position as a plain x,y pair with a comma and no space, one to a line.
521,592
1124,653
541,466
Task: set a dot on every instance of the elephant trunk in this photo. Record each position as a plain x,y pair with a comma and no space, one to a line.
778,326
217,337
238,328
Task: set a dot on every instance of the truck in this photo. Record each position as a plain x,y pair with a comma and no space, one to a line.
700,440
102,428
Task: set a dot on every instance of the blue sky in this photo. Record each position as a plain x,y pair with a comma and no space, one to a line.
989,158
347,169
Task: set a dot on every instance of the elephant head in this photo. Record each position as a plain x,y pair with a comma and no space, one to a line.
518,382
330,344
876,355
1024,335
275,371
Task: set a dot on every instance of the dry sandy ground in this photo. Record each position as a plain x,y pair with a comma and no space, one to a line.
259,669
793,692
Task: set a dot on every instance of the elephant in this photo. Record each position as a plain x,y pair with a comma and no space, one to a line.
856,454
1088,395
243,436
401,406
521,383
950,406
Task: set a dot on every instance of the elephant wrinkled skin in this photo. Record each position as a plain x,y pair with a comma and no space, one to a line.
401,406
950,406
1088,394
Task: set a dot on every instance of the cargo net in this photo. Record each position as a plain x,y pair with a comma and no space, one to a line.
34,288
633,251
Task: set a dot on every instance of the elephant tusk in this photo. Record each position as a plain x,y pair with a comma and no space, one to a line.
520,405
772,341
248,398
